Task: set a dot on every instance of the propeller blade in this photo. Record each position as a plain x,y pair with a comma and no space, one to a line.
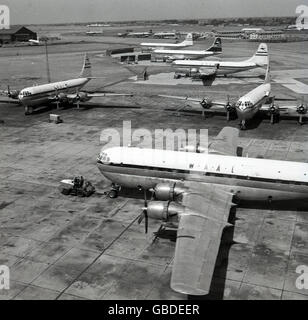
141,217
146,223
145,198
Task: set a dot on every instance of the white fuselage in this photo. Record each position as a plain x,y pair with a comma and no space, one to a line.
223,67
38,95
184,54
160,45
248,178
249,104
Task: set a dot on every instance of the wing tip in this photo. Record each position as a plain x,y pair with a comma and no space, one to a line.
188,290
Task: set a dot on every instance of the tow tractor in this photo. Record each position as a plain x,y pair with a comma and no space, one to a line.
76,187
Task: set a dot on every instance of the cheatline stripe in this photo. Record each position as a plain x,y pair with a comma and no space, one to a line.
206,173
49,91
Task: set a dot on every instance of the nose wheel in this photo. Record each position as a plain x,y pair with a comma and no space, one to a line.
243,125
28,110
114,192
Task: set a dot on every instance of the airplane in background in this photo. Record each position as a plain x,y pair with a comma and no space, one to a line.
171,55
35,41
57,92
205,69
196,192
165,35
186,43
139,34
259,99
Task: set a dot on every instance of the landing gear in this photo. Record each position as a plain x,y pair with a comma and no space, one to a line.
114,192
300,120
28,110
274,118
243,125
228,115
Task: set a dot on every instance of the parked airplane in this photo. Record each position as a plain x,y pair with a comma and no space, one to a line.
57,92
35,41
186,43
196,192
246,107
165,35
139,34
171,55
205,68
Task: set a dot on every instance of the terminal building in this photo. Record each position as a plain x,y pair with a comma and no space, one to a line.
268,36
16,34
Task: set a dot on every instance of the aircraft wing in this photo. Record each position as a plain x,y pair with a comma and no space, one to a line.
108,94
73,96
198,238
10,101
286,110
219,104
226,142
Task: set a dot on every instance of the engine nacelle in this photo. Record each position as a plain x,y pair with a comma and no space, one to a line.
167,191
302,109
61,97
82,96
206,103
229,107
274,109
175,57
13,94
194,70
163,210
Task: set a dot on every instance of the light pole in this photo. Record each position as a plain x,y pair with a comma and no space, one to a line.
45,39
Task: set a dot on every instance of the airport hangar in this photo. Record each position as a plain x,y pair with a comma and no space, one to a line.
16,34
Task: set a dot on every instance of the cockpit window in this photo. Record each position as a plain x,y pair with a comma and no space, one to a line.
103,157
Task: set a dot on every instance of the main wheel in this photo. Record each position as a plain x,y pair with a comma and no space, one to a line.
113,194
66,192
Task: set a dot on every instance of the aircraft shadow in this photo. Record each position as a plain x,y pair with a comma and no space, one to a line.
83,107
218,283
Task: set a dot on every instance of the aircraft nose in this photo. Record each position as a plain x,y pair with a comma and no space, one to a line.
243,113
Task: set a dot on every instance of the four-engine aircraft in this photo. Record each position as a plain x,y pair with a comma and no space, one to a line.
57,92
171,55
155,45
259,99
204,68
195,193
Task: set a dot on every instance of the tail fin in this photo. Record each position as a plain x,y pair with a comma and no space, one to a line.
261,57
216,46
86,69
188,40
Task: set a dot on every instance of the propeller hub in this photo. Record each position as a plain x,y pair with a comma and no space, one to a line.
302,109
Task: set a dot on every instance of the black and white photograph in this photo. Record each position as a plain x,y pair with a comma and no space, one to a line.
153,150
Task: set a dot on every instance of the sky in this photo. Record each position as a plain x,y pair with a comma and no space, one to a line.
65,11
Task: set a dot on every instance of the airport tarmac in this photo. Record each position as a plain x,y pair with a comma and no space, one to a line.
64,247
